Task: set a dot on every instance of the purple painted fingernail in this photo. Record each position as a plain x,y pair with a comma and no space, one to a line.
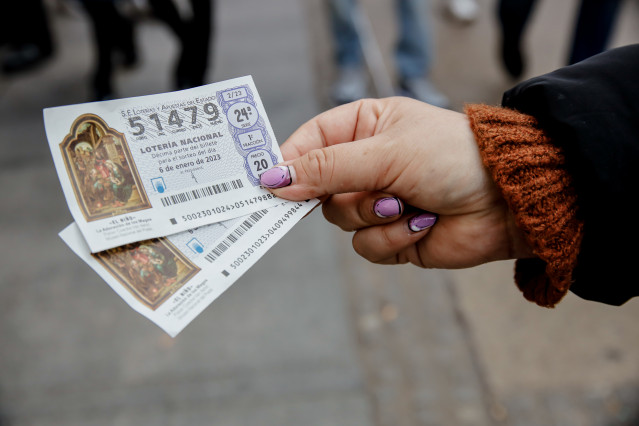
276,177
422,221
388,207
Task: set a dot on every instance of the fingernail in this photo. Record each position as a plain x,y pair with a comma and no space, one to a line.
422,221
388,207
276,177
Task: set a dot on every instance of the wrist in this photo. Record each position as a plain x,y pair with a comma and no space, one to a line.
519,246
530,173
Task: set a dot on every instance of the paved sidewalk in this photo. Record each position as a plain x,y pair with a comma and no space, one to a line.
312,335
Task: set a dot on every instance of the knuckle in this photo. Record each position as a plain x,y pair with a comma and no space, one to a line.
386,237
318,165
365,214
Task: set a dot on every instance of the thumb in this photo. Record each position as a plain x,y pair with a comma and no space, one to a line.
363,165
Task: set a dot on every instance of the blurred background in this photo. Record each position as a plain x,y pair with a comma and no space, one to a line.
312,335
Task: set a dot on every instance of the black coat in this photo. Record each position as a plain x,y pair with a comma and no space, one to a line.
591,109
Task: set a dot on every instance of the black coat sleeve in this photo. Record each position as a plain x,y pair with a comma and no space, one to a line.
591,110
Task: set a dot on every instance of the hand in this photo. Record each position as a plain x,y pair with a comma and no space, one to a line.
356,154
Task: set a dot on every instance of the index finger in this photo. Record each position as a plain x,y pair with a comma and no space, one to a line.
345,123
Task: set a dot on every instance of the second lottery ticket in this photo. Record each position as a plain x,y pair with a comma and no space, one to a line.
145,167
170,280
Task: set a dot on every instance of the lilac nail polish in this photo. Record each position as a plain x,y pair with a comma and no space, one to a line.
388,207
276,177
422,221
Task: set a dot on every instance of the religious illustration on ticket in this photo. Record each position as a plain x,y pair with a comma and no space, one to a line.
101,170
150,270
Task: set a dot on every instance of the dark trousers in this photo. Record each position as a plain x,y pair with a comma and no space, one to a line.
113,34
593,26
194,35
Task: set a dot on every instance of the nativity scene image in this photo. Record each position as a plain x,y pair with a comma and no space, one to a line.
101,170
150,270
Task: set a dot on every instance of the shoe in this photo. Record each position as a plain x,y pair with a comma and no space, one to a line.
423,90
26,57
463,10
351,84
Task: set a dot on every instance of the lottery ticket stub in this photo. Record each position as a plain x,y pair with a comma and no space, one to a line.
139,168
170,280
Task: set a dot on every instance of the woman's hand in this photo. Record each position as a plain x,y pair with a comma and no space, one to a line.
358,156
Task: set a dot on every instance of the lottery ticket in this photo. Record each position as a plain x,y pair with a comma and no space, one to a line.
139,168
170,280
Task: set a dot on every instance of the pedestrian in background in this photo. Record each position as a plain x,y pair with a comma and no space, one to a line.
115,41
413,53
593,26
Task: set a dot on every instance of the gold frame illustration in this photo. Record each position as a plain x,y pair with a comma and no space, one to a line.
103,175
151,270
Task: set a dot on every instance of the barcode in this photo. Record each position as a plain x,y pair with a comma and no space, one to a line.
235,235
207,191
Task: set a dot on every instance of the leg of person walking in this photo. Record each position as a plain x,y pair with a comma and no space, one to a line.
414,53
351,81
199,32
513,16
105,20
595,21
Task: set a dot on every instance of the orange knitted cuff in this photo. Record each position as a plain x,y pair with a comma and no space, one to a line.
530,172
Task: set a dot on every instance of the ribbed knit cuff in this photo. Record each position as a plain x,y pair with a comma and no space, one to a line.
529,170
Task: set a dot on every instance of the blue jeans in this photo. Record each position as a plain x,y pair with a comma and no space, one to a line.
413,51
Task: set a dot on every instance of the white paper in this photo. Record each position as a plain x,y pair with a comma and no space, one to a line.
171,280
139,168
